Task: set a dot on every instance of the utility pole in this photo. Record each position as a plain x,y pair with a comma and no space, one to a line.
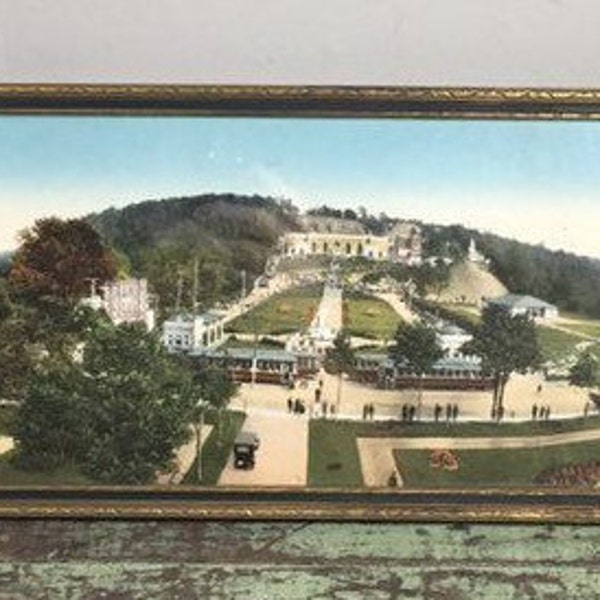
199,431
195,288
179,294
243,283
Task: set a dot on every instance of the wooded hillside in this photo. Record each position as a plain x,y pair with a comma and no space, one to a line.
226,233
571,282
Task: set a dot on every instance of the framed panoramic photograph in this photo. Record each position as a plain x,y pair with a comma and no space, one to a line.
299,303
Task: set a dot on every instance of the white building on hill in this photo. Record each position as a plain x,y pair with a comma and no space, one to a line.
515,304
403,243
193,333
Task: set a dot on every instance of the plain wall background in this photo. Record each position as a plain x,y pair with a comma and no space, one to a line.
402,42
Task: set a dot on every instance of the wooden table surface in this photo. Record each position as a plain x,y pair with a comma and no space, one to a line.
195,559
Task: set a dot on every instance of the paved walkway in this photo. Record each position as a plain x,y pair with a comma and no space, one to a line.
282,459
377,461
184,459
329,313
6,444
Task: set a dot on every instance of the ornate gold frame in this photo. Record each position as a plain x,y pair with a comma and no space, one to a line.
486,505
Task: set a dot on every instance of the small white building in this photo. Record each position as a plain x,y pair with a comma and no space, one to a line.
193,333
515,304
125,301
451,339
474,256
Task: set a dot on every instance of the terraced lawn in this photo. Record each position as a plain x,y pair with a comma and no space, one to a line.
557,345
292,310
370,317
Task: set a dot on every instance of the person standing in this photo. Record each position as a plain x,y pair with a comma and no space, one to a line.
534,411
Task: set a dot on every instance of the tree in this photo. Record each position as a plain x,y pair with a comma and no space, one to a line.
57,259
416,345
506,344
340,359
216,388
584,373
119,414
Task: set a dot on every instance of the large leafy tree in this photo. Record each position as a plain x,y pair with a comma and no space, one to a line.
57,259
416,345
118,414
216,388
506,344
584,372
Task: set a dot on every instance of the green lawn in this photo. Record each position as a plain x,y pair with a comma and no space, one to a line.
492,468
333,453
590,328
287,312
217,449
556,345
469,312
370,317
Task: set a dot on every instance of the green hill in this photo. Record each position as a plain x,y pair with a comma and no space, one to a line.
227,233
570,281
468,283
161,239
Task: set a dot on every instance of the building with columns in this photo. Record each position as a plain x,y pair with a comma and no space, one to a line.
193,333
403,243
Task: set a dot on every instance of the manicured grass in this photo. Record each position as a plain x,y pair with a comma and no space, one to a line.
590,328
67,475
287,312
217,448
492,468
469,312
7,416
556,345
333,453
370,317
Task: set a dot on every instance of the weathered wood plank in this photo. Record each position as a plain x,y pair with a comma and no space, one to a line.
69,559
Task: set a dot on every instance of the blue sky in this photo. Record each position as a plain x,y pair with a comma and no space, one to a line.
536,181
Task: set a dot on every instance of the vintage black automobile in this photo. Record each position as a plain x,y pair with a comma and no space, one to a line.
244,449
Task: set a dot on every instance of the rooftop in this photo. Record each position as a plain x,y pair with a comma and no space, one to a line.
519,301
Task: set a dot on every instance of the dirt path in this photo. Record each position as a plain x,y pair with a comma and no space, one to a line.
377,461
6,443
282,459
184,458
